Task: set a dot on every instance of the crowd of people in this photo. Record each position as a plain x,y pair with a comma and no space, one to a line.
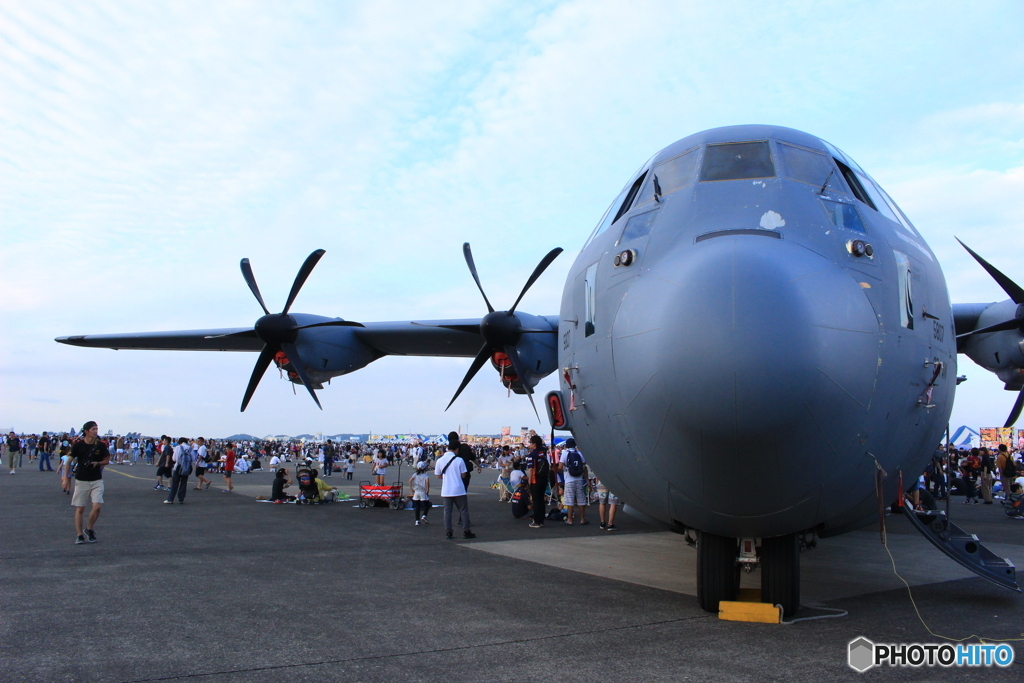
980,475
540,483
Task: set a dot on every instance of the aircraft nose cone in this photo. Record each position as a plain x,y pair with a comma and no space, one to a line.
744,360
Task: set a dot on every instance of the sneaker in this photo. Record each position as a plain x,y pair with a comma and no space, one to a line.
168,502
90,536
468,534
416,523
448,534
602,525
611,527
534,525
157,487
80,540
424,519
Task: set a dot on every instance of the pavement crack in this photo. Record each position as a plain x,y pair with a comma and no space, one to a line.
439,650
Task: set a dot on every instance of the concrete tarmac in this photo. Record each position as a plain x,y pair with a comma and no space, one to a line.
227,589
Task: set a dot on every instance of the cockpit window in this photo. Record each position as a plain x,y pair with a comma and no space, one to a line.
669,176
620,206
630,196
737,161
843,215
809,166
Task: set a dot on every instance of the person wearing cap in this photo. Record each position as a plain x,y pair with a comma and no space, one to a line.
89,455
419,484
451,470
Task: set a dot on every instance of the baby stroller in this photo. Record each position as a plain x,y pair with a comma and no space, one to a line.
308,491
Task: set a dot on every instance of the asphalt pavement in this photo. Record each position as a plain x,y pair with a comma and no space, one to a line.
227,589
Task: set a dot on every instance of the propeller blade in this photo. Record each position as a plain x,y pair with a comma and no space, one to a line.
1015,413
244,333
250,280
1009,286
541,267
332,323
468,253
300,279
262,363
529,395
478,362
296,361
1000,327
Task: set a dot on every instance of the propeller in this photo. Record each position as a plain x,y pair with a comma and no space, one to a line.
1016,294
280,330
501,330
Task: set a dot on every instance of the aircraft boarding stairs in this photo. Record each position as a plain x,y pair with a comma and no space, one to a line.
962,547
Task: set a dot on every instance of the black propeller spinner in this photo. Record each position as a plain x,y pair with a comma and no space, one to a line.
279,330
1016,294
501,330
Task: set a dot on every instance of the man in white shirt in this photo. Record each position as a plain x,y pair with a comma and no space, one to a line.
449,469
574,468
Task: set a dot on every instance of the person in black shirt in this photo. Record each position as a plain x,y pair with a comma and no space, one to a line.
88,457
13,451
538,470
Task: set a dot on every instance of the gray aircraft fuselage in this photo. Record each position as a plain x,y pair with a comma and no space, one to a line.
751,368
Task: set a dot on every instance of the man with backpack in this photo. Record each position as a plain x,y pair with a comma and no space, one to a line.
1008,470
574,470
182,468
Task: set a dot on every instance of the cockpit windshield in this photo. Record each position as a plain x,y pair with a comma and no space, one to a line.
737,161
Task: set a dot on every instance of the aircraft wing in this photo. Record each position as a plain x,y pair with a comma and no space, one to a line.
231,339
450,338
458,338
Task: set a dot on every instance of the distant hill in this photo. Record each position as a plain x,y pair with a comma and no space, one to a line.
240,437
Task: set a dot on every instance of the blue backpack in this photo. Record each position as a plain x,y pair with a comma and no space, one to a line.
185,460
574,463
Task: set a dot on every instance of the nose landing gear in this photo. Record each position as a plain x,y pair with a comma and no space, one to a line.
719,570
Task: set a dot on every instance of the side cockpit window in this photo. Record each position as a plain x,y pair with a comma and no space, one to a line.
620,206
669,176
807,166
737,161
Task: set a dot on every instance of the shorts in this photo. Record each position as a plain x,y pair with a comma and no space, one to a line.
227,473
200,471
575,493
86,490
607,498
420,495
163,471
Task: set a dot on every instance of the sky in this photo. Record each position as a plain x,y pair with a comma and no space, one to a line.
147,147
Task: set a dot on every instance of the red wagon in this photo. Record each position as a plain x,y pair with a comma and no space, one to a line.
369,494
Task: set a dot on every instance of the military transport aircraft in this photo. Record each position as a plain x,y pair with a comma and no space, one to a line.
753,332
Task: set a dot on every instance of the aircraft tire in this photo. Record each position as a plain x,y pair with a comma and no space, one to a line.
716,570
780,572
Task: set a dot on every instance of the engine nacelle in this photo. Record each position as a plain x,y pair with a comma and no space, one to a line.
538,356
